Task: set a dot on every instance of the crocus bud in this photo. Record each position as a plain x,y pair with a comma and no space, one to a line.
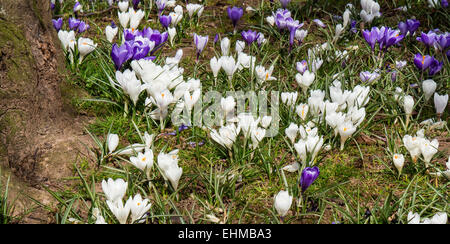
283,202
225,46
440,102
309,175
215,66
399,161
112,142
408,104
428,86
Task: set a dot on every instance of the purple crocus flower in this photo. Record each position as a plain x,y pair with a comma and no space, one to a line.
155,36
160,4
292,26
319,23
371,36
444,3
200,43
391,37
422,62
77,7
235,14
57,23
74,23
52,6
183,127
409,26
435,66
284,3
113,25
442,41
140,48
368,77
121,54
129,34
353,26
136,3
309,175
280,18
302,66
216,38
82,27
250,36
165,20
427,38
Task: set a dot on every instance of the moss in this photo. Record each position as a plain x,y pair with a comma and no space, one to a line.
17,53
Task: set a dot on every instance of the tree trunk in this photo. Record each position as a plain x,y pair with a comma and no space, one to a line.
39,132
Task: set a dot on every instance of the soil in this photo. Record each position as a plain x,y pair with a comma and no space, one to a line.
40,134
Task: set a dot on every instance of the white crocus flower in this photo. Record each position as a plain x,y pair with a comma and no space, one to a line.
138,207
338,31
302,110
257,135
124,19
289,98
291,132
282,202
408,105
313,144
228,65
413,218
292,167
225,46
346,130
300,34
440,102
172,33
111,33
216,65
194,8
300,148
173,173
398,94
227,104
428,150
114,189
143,161
399,161
264,75
130,84
85,46
66,38
265,121
240,45
112,142
428,87
334,120
119,210
162,100
412,144
123,6
270,20
191,99
135,18
346,17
